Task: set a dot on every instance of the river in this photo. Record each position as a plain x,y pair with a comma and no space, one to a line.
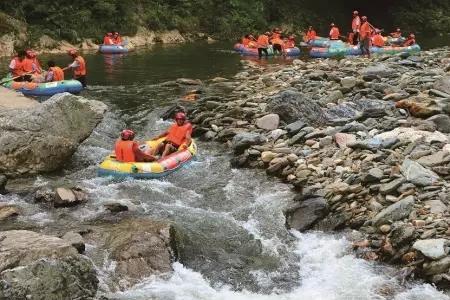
232,222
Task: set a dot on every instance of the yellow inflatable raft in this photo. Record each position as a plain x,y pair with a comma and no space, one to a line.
157,169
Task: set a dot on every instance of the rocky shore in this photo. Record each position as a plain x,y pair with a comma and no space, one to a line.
365,143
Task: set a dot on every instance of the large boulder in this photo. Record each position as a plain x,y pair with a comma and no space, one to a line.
433,248
44,137
292,106
36,266
140,248
244,140
443,84
395,212
305,214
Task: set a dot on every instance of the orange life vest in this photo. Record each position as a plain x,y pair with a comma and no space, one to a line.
334,33
58,73
177,134
311,35
277,41
263,41
18,69
108,41
27,65
124,151
365,30
356,23
289,44
252,44
245,41
378,40
117,40
275,35
81,69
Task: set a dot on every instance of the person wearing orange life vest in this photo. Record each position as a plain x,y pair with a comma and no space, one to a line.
54,72
289,42
127,150
108,39
117,39
310,34
277,44
365,34
252,43
411,40
79,67
263,44
334,32
356,25
246,40
178,136
397,33
16,67
377,39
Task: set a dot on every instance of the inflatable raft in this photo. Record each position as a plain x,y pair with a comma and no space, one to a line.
112,49
46,88
355,50
395,41
148,170
254,51
322,42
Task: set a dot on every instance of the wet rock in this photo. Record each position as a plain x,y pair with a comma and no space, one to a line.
295,127
268,122
292,106
68,197
7,211
76,240
401,234
116,206
43,138
433,248
417,174
140,247
343,139
394,212
443,84
35,266
277,165
305,214
45,195
442,122
437,267
245,140
3,181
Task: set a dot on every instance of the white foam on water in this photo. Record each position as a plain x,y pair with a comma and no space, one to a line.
328,271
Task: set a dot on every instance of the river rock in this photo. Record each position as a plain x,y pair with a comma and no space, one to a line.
348,82
295,127
268,122
44,137
401,234
433,248
443,84
267,156
140,248
343,139
435,159
244,140
3,181
374,175
394,212
417,174
442,122
392,186
292,106
305,214
68,197
76,240
379,70
187,81
41,267
437,267
8,211
436,206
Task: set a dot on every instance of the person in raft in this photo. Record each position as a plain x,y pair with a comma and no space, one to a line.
397,33
310,35
178,136
356,25
54,72
365,34
79,67
108,39
117,39
277,43
16,67
410,40
263,44
32,66
377,39
127,150
334,32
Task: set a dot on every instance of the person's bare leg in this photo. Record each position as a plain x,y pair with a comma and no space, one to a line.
167,150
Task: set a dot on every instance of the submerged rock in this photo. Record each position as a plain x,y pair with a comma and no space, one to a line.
44,137
41,267
305,214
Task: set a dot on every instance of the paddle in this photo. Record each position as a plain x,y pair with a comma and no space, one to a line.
14,78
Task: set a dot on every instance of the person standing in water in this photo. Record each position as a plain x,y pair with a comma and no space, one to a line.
263,44
79,67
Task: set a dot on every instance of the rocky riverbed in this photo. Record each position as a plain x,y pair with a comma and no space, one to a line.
364,142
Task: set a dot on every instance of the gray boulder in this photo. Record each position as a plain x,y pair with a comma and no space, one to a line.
443,84
268,122
442,122
417,174
35,266
394,212
244,140
305,214
380,70
433,248
44,137
292,106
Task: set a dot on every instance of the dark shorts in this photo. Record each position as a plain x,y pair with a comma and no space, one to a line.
82,79
365,46
28,78
277,47
172,144
261,50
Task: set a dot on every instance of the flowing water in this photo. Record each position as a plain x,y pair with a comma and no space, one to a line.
231,223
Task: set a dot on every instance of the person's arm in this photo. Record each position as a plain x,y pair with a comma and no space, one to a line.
161,135
74,65
12,66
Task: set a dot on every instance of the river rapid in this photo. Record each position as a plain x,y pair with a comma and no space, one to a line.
231,222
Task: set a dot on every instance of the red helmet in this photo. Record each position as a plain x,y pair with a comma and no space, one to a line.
127,134
180,116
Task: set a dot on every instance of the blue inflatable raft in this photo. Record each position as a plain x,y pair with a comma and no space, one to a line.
112,49
355,50
254,51
46,88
